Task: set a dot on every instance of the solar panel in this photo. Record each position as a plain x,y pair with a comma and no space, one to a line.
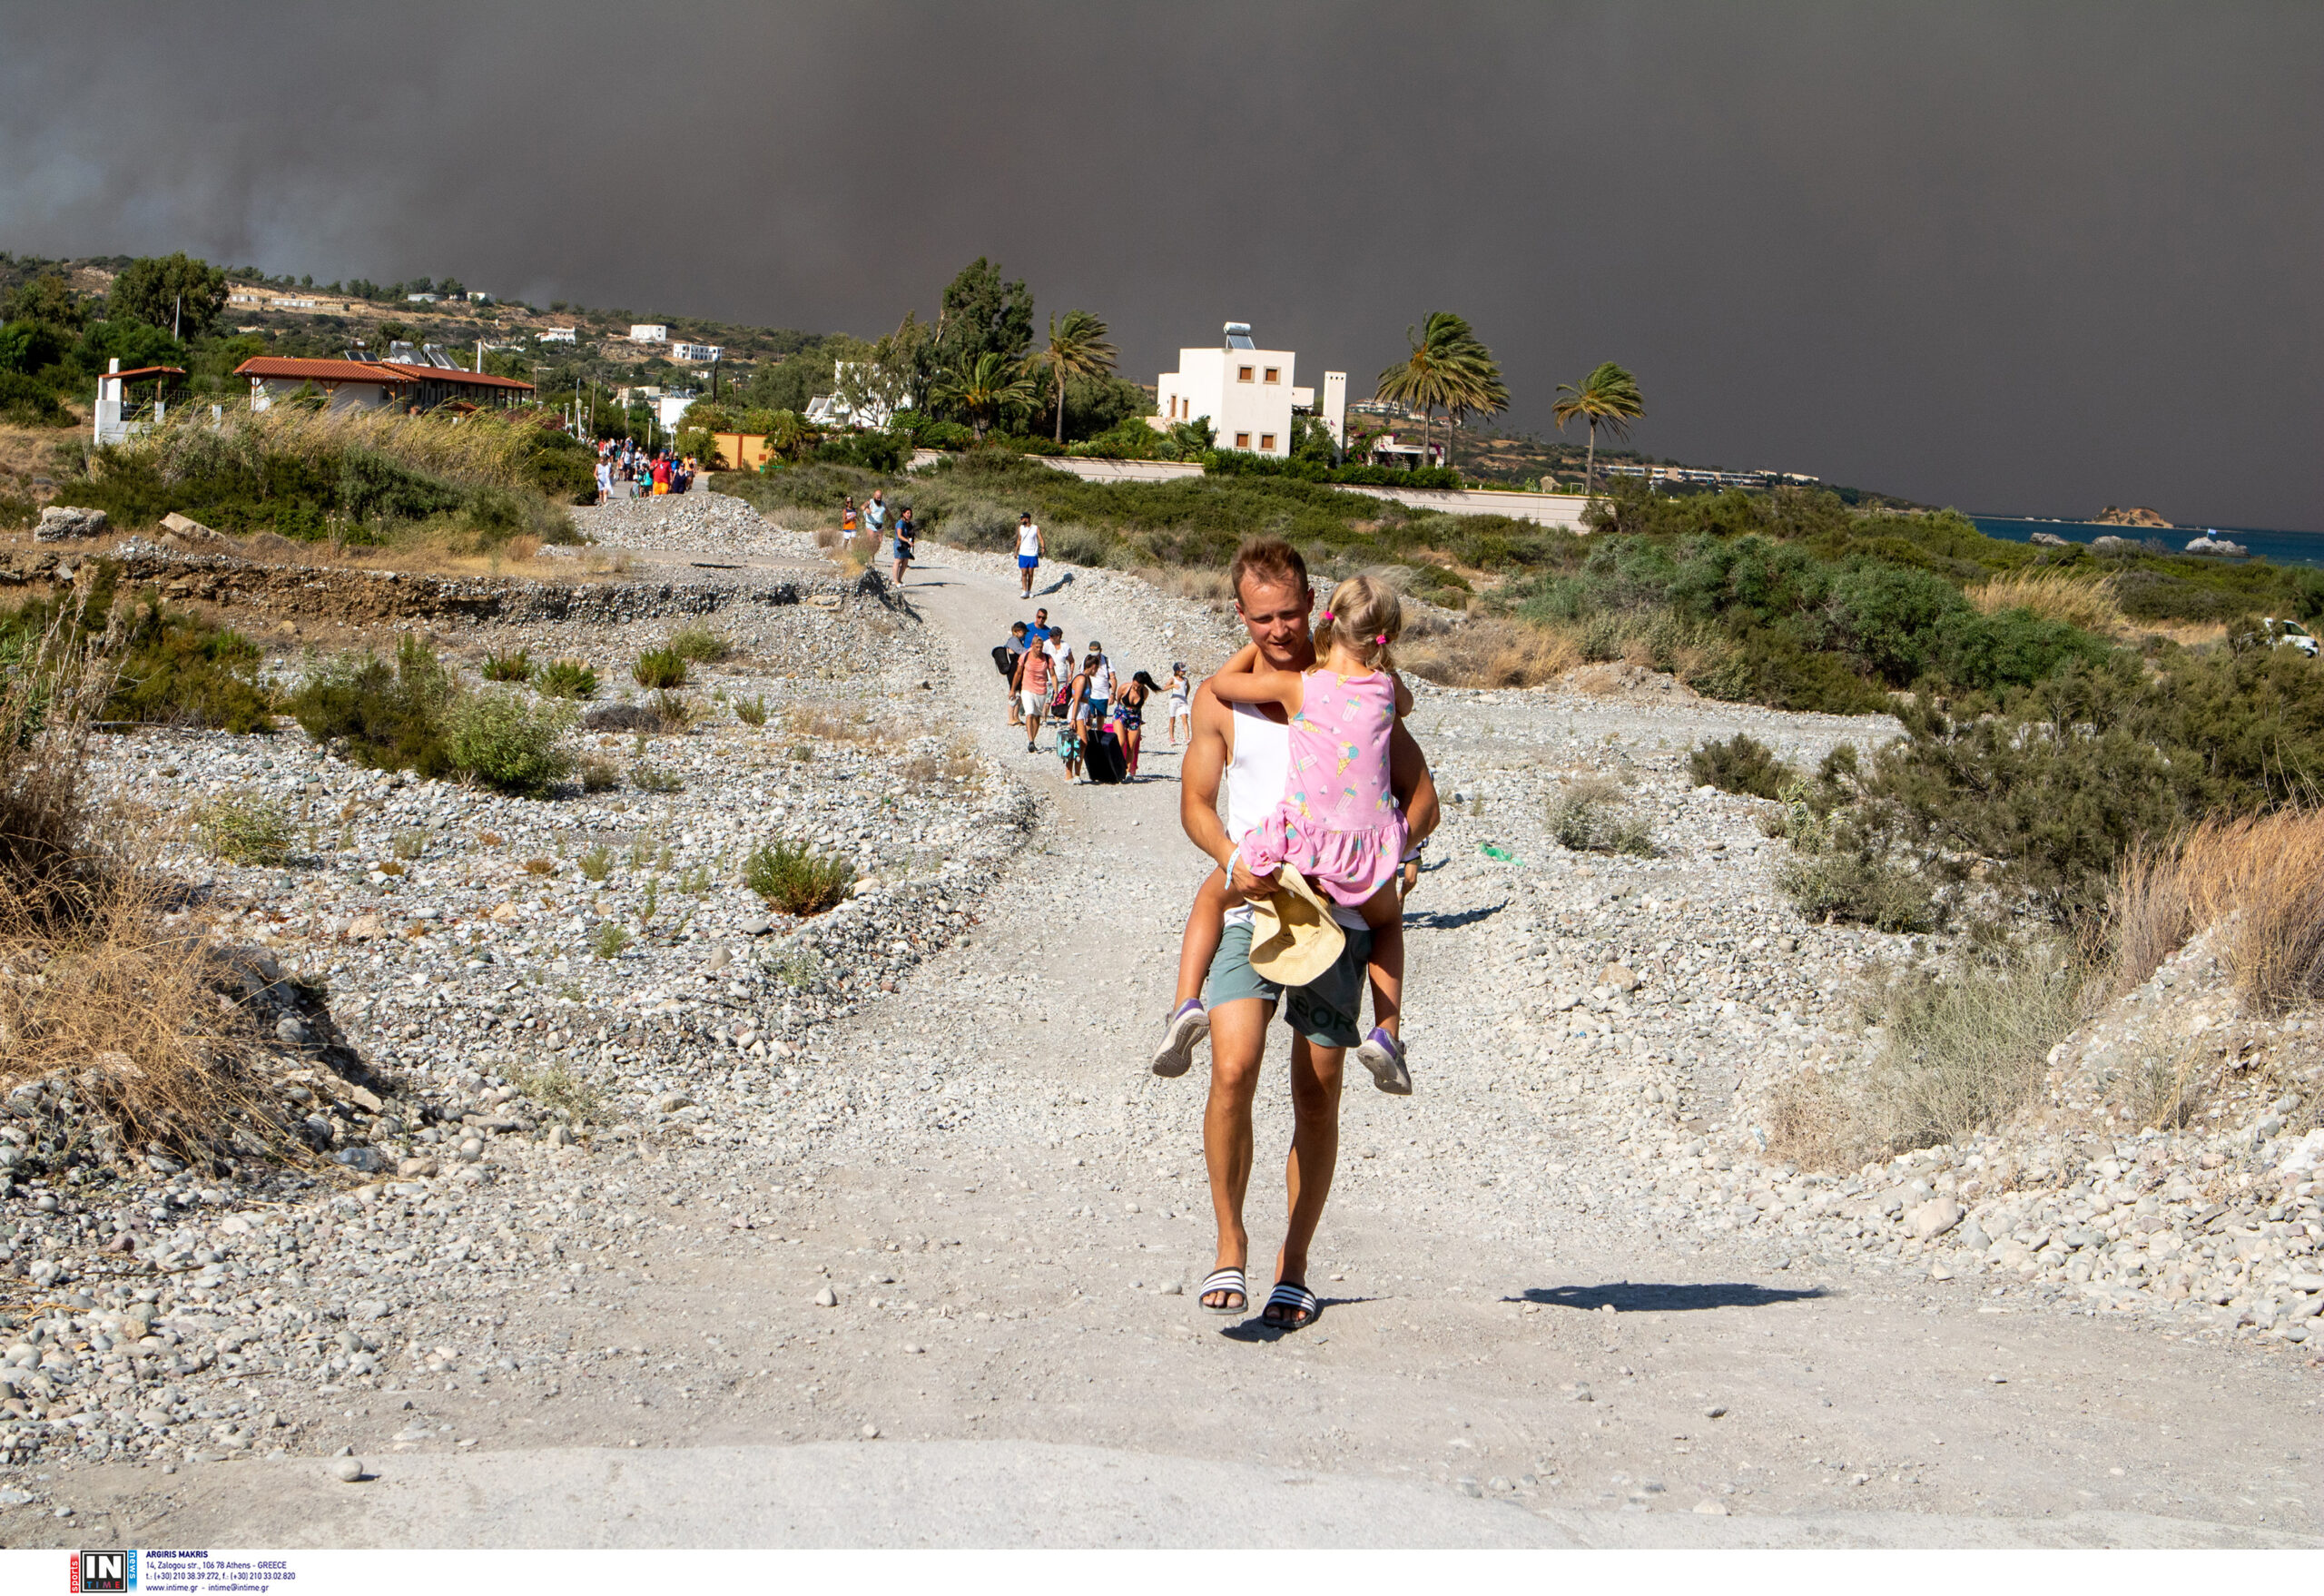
1238,336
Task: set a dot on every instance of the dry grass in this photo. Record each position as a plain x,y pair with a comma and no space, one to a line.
483,450
2055,596
954,766
97,994
836,724
1202,584
1490,653
2261,877
1965,1051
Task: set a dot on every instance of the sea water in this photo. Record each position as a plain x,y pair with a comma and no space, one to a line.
2282,548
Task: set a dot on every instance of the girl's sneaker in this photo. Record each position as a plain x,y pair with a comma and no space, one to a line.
1383,1055
1189,1025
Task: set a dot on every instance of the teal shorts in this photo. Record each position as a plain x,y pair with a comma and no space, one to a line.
1328,1010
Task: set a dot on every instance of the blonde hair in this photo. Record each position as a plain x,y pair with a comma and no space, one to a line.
1365,617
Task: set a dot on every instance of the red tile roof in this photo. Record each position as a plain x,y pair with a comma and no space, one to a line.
319,371
455,375
388,371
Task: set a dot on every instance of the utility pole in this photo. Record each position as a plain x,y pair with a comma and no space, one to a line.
177,319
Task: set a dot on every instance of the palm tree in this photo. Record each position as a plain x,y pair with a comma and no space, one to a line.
983,387
1609,394
1449,366
1076,349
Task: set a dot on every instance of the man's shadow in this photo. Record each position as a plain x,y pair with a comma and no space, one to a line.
1632,1296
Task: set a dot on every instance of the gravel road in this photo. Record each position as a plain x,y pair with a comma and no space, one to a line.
937,1243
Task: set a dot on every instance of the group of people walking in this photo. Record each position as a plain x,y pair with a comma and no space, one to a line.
624,467
1099,714
872,521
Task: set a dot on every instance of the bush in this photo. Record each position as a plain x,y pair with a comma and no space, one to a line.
508,667
599,775
790,878
242,830
1843,865
179,670
509,743
1588,817
698,646
650,778
1741,764
751,711
596,864
386,716
25,401
660,668
565,679
609,939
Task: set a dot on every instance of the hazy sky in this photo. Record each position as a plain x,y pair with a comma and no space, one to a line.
2028,258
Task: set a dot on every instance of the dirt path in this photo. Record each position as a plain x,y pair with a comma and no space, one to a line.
1013,1262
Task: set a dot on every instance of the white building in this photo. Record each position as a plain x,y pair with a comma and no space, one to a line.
833,409
421,299
696,352
557,335
649,332
1246,394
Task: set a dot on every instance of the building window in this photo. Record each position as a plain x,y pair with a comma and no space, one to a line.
1242,441
1275,374
1241,373
1266,440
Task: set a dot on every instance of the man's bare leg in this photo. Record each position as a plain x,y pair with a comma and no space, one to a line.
1314,1153
1238,1038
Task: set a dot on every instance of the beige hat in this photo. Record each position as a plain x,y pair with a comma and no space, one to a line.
1294,938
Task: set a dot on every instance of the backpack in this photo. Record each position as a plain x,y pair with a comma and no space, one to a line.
1003,660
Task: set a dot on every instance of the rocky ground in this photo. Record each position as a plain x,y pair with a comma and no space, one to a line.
898,1174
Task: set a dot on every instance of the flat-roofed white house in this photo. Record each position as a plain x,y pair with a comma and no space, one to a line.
1246,394
649,332
696,352
559,335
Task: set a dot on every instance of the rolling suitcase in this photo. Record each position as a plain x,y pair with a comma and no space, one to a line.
1103,759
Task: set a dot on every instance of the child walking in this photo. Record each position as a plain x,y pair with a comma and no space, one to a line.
1338,823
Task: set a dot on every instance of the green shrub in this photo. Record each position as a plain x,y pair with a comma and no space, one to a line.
386,716
509,742
678,713
25,401
609,939
751,711
1589,817
242,830
598,863
1845,866
794,878
508,667
180,670
599,775
660,668
699,646
1741,764
565,679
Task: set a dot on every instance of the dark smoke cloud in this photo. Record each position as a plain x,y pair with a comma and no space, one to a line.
2037,258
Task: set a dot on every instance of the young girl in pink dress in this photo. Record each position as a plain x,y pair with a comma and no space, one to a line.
1338,824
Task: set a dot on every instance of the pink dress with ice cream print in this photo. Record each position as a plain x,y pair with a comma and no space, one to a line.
1338,824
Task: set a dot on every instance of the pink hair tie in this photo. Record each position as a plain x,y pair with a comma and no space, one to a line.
1328,616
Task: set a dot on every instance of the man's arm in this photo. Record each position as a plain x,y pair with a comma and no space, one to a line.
1199,773
1408,777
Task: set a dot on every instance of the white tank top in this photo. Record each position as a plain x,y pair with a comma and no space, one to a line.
1256,778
